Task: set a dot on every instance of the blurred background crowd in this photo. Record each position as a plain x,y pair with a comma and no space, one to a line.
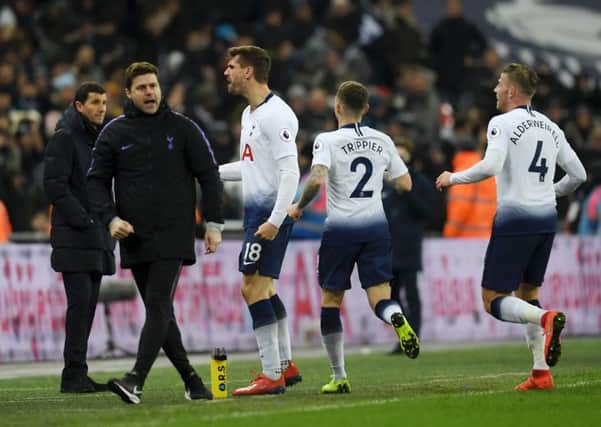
431,91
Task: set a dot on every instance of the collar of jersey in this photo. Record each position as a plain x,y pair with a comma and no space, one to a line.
267,98
356,126
525,107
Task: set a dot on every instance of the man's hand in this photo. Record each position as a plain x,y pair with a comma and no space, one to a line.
120,229
443,180
212,241
267,231
295,212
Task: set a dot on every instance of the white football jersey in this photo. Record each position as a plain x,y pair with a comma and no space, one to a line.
531,145
267,135
356,157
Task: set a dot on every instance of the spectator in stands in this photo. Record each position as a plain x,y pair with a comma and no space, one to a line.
407,212
82,249
590,219
402,42
154,156
455,45
579,130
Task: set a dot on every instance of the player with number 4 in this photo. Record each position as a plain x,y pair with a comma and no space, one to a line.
524,147
353,161
268,168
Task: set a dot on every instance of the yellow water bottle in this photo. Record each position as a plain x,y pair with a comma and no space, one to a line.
219,373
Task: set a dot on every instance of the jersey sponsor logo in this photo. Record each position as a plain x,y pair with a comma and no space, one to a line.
286,135
494,132
247,153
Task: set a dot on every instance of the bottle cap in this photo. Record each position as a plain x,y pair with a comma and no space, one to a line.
219,353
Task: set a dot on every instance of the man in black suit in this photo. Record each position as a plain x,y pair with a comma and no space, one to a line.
407,214
81,246
154,155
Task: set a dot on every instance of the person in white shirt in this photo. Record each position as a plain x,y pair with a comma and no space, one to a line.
524,147
353,161
268,168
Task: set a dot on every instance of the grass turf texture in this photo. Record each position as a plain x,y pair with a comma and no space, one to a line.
451,387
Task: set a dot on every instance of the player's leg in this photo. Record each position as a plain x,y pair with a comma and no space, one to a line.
374,264
540,378
332,336
552,321
256,263
390,312
277,249
506,261
336,264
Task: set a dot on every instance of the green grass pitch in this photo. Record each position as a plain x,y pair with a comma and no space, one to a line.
468,386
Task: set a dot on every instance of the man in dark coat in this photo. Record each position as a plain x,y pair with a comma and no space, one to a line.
81,246
154,154
407,214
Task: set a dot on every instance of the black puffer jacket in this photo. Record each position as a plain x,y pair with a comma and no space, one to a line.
407,214
154,160
79,241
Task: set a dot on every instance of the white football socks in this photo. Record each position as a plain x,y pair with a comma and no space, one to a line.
334,345
516,310
267,341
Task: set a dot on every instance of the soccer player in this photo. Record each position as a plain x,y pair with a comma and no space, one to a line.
353,160
268,168
524,147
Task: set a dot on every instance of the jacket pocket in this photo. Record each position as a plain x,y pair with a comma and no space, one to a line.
92,237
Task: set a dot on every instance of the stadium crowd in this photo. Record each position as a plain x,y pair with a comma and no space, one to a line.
433,89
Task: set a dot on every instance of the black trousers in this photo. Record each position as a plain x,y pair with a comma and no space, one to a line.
412,306
82,296
157,282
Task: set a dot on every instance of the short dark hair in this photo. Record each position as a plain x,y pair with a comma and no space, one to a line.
255,57
353,95
136,69
523,76
87,88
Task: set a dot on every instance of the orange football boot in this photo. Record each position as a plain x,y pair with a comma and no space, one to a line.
539,380
552,323
292,374
262,385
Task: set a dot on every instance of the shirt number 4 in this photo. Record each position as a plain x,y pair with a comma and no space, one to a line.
535,167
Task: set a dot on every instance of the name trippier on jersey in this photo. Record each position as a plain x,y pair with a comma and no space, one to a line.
362,145
527,124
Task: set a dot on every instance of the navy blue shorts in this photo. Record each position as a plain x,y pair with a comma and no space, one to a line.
264,256
336,262
511,260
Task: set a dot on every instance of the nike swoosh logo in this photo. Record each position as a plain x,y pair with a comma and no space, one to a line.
248,263
126,147
137,390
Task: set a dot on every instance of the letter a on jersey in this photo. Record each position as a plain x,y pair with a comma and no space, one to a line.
247,152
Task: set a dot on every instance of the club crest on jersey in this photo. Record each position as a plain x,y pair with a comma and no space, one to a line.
316,146
285,135
247,153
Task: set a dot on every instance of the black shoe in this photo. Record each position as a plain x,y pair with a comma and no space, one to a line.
128,388
195,389
99,387
77,384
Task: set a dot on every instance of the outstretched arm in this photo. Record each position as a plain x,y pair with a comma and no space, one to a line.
318,177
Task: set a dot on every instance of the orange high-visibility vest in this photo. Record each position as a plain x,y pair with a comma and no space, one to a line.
470,207
5,227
